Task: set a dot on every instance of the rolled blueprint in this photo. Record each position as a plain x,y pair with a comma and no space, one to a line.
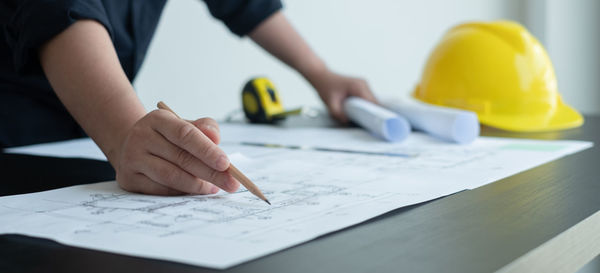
450,124
377,120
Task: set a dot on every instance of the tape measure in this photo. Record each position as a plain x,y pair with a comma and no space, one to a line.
262,103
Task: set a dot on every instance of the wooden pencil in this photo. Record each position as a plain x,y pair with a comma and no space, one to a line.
237,174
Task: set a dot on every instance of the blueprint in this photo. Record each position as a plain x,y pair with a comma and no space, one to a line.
485,160
313,192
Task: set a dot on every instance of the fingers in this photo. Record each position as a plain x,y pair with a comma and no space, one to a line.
342,88
360,88
166,155
169,175
186,136
142,184
194,166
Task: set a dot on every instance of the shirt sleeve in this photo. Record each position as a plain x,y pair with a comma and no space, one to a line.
34,22
242,16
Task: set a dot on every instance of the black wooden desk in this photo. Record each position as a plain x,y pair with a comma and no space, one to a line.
543,219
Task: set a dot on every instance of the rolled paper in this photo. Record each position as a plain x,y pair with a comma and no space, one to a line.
379,121
447,123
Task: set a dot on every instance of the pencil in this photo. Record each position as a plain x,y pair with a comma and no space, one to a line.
237,174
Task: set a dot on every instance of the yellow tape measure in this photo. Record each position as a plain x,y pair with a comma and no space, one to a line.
262,103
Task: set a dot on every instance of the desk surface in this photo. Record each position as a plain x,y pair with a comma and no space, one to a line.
541,219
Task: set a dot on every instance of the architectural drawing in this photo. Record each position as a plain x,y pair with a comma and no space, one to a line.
312,192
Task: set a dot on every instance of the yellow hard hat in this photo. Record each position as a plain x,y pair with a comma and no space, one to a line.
501,72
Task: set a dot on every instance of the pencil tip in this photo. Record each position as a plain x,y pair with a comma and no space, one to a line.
268,202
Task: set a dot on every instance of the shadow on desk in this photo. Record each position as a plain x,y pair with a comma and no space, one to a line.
27,173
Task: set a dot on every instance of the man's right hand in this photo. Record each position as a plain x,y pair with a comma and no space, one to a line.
165,155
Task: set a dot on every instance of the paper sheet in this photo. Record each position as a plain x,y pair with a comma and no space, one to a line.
485,160
75,148
312,192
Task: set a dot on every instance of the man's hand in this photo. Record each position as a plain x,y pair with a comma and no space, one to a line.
334,89
166,155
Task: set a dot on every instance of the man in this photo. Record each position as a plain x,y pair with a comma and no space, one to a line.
69,67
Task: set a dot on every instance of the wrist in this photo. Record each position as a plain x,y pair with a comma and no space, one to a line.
112,143
313,71
114,147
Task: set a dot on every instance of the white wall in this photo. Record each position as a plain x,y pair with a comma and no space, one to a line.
569,31
573,40
198,67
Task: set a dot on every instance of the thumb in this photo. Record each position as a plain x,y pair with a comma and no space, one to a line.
336,108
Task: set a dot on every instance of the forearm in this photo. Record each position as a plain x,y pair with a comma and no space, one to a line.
277,36
84,71
156,152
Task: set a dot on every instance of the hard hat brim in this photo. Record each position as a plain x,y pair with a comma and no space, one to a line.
565,117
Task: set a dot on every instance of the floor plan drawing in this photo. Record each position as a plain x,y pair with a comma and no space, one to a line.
312,193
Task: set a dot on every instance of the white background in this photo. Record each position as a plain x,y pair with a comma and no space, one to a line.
199,68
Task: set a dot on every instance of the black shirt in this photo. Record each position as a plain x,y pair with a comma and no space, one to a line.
30,111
